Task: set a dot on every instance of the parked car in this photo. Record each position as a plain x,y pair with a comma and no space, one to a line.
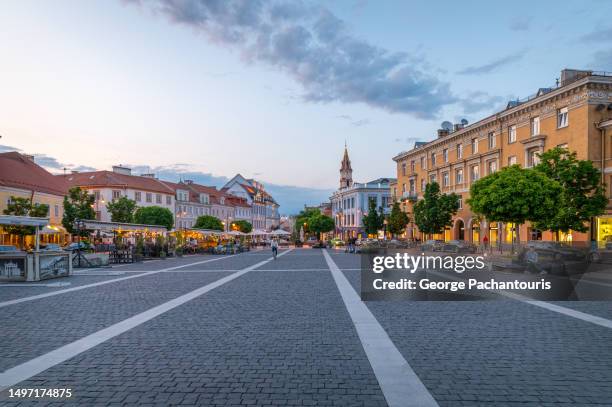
51,247
311,241
8,248
335,242
76,246
557,250
459,246
432,245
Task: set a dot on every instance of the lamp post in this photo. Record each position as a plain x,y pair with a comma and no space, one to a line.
385,223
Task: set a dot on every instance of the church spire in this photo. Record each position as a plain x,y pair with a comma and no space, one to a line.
346,172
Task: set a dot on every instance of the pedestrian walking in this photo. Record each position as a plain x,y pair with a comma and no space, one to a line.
274,246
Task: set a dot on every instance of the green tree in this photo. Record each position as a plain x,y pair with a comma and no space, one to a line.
301,220
435,211
78,204
243,226
23,207
373,221
154,215
122,209
320,223
515,195
583,196
398,220
208,222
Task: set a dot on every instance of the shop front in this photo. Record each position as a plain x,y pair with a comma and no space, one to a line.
604,231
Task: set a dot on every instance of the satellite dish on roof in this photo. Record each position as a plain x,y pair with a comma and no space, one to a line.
464,122
446,125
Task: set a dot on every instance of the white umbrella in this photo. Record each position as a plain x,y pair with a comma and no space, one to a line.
235,233
280,232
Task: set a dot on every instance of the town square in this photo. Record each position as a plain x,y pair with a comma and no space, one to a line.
305,203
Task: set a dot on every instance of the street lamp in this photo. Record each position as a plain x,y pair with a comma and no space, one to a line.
385,223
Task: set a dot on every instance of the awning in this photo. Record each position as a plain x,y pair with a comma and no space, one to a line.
13,220
123,227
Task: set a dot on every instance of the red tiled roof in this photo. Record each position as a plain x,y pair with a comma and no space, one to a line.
113,179
18,171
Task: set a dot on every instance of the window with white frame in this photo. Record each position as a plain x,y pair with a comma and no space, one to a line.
459,150
138,196
433,159
168,200
460,201
149,197
491,166
116,194
432,178
474,145
445,155
158,198
562,117
474,172
491,138
459,176
511,160
512,134
445,179
404,169
533,158
412,165
535,126
422,162
423,183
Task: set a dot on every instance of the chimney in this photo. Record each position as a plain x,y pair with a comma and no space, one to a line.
150,175
122,170
29,157
442,133
571,75
457,126
188,181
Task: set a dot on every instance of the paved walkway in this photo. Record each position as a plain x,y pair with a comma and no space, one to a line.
249,330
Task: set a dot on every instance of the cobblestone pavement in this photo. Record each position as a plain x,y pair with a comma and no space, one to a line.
502,353
281,335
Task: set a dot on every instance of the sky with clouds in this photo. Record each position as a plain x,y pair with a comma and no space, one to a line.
272,89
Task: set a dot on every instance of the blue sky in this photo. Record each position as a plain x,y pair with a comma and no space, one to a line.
273,89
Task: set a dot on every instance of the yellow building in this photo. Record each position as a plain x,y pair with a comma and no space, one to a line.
576,113
21,177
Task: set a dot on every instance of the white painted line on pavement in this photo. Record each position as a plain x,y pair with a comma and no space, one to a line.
114,280
37,365
57,284
543,304
399,383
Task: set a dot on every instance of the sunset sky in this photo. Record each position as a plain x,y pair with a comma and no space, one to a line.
273,89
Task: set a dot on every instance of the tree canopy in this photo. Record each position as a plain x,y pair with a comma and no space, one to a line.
208,222
374,220
320,223
582,196
243,226
435,211
301,220
515,195
398,220
122,209
78,204
154,215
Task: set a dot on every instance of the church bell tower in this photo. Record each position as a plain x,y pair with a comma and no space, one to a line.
346,172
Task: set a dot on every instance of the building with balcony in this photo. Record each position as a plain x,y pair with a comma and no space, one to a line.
350,203
575,113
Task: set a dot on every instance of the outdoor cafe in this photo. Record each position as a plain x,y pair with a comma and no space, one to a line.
34,265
